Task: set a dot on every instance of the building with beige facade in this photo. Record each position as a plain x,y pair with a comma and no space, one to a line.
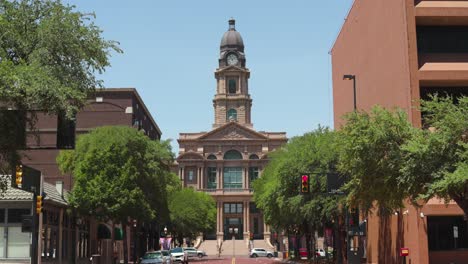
397,52
224,161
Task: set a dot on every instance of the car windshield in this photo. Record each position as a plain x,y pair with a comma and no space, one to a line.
176,250
152,255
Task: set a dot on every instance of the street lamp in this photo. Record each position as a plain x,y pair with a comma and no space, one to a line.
134,240
349,77
233,232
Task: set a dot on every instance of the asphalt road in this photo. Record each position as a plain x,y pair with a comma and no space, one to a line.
236,260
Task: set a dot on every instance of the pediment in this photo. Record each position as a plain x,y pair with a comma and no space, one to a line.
233,131
232,68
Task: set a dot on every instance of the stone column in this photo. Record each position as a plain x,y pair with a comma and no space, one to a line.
219,221
202,178
198,178
182,176
244,177
221,180
60,245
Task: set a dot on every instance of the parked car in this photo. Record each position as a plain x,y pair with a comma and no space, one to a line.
319,252
260,252
153,257
179,254
193,252
167,254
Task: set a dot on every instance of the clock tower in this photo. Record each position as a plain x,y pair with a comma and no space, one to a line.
232,102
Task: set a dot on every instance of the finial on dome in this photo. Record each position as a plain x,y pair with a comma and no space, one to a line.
232,24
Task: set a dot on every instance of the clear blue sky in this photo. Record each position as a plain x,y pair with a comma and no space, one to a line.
171,50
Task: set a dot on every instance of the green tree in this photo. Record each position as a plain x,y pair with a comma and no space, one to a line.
436,159
278,192
119,174
370,155
192,212
49,54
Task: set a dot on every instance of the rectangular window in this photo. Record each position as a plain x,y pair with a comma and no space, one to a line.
253,208
233,208
14,215
190,175
253,173
239,208
232,178
18,243
65,132
232,86
447,233
212,184
13,128
2,217
2,242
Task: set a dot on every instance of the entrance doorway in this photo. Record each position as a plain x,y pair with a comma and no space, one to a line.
233,223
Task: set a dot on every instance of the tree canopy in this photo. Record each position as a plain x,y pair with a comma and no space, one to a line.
436,159
192,212
49,55
278,194
370,155
118,173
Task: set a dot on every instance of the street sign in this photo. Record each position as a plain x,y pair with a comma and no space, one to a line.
404,252
334,182
26,223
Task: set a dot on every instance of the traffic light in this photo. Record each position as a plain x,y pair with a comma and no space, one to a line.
19,175
305,183
38,204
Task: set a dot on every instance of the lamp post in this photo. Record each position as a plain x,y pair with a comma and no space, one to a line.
352,77
134,240
233,232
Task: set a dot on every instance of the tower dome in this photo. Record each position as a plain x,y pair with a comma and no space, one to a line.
232,39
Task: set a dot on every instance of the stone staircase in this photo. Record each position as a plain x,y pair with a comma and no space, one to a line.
239,248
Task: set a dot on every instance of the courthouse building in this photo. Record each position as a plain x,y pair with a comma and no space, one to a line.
224,161
397,52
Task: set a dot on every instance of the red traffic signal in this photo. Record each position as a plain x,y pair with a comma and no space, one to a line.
305,183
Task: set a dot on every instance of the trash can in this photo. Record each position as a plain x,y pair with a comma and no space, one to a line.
95,259
303,253
285,254
275,254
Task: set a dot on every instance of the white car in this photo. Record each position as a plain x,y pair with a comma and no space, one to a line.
179,254
193,252
260,252
320,252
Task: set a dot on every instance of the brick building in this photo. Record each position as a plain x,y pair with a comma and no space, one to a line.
224,161
64,237
398,52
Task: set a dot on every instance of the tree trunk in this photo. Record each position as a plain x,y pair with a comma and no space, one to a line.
337,242
124,229
308,238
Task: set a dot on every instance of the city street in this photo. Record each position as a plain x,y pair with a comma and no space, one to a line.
237,260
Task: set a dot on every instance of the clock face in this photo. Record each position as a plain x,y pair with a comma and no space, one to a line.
232,59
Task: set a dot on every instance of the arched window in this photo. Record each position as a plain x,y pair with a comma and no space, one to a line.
232,155
211,157
231,115
232,86
253,156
